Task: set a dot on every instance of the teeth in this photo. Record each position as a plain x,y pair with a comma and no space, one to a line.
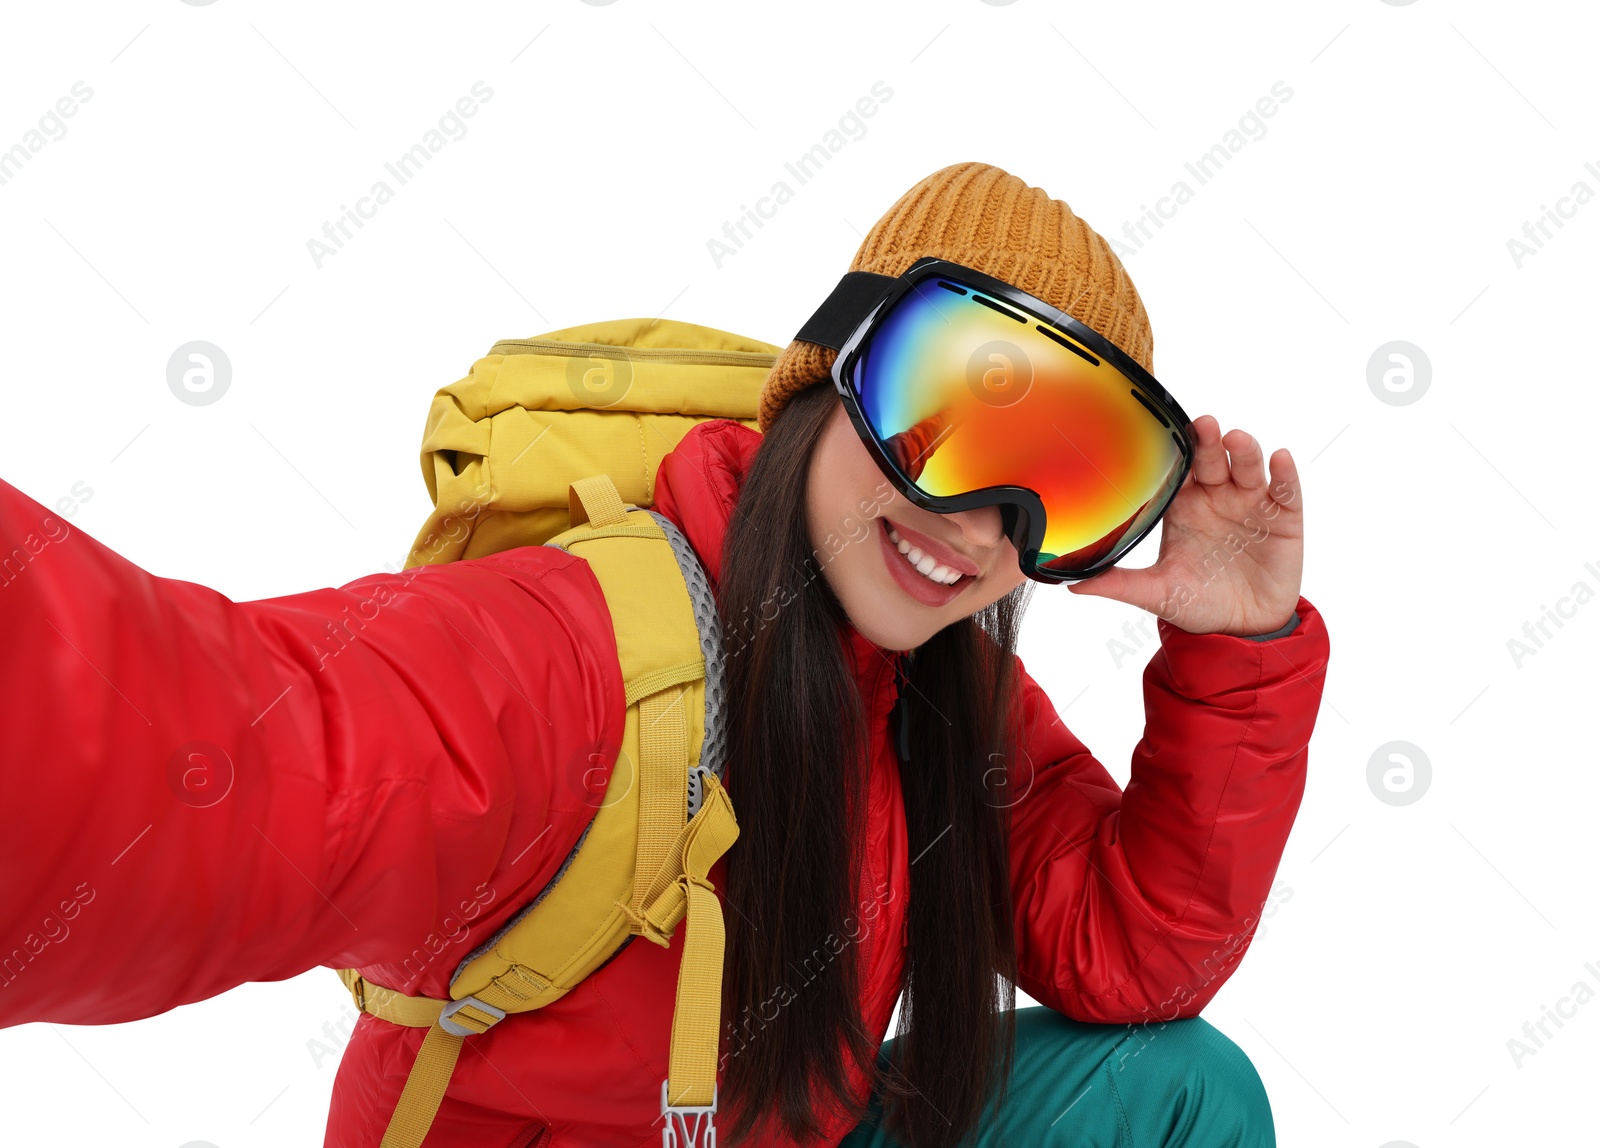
924,563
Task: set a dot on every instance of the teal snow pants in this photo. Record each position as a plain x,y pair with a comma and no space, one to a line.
1181,1084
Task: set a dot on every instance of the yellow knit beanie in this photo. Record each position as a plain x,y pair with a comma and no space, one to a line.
981,217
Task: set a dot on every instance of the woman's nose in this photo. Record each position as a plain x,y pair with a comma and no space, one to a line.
982,527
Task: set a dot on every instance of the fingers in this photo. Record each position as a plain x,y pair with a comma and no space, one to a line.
1210,459
1285,480
1220,457
1138,586
1249,464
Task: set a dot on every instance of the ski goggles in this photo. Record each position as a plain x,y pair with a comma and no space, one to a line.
969,392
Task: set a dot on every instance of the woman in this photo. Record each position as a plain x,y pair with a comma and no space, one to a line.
203,795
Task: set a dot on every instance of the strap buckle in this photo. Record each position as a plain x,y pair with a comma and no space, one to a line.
688,1125
456,1028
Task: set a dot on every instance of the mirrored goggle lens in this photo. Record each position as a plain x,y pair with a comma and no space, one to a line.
968,392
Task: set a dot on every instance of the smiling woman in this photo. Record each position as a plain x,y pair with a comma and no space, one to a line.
1010,859
559,736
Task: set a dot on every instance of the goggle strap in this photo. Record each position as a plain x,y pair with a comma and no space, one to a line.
850,301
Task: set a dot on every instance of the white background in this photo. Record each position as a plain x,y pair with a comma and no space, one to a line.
1413,941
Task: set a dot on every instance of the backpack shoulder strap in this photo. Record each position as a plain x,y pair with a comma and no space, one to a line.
646,854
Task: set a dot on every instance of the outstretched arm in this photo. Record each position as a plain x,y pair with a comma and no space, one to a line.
196,792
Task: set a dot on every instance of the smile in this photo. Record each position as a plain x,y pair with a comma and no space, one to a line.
914,562
923,563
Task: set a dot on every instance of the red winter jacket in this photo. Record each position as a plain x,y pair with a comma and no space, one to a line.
208,792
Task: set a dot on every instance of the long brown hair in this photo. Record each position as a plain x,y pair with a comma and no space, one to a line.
797,769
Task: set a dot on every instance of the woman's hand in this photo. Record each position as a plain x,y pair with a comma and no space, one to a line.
1232,545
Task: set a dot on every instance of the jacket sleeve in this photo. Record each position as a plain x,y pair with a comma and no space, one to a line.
199,792
1138,904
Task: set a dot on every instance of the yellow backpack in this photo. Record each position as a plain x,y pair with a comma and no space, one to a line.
556,440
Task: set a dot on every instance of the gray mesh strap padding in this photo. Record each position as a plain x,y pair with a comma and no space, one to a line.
706,620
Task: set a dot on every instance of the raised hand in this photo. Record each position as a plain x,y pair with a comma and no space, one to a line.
1232,545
